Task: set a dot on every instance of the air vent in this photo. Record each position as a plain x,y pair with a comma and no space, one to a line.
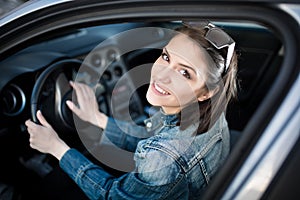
13,100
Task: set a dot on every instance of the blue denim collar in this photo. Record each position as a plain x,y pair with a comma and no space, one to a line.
159,119
169,119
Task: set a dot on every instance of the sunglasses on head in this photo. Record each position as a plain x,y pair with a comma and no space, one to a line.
217,38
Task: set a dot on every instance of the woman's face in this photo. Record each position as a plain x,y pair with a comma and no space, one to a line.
177,76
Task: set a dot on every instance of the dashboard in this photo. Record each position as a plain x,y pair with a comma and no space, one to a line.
92,46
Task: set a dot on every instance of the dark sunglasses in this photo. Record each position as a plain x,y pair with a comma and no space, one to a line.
216,37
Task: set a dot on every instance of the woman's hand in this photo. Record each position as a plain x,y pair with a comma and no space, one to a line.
44,139
87,108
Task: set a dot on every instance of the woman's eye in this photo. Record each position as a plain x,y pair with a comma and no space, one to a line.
165,56
185,73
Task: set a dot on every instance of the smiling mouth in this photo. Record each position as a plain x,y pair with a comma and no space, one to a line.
159,89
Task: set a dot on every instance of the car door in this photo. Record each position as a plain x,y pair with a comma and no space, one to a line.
265,153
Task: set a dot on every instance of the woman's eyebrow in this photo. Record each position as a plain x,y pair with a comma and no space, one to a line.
183,65
167,52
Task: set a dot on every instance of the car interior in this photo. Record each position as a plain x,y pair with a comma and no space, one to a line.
37,78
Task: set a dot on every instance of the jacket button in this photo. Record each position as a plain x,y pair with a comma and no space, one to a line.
148,124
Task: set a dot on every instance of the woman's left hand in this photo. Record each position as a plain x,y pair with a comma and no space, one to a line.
44,139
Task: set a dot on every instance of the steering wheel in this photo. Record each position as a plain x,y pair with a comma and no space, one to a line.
52,90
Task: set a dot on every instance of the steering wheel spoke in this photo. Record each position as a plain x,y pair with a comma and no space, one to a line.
62,87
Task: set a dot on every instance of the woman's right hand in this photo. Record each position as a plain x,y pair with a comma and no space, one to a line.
87,108
44,139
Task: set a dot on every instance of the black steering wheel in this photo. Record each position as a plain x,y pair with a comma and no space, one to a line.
52,90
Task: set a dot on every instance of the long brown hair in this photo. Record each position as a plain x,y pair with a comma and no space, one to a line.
224,83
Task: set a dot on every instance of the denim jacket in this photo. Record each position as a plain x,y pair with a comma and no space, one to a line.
169,163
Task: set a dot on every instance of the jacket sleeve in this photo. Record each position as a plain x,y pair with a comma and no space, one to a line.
152,179
123,134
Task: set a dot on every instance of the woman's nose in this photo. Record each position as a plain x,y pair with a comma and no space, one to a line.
164,75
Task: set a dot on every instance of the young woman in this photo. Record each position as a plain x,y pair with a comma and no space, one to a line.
183,144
